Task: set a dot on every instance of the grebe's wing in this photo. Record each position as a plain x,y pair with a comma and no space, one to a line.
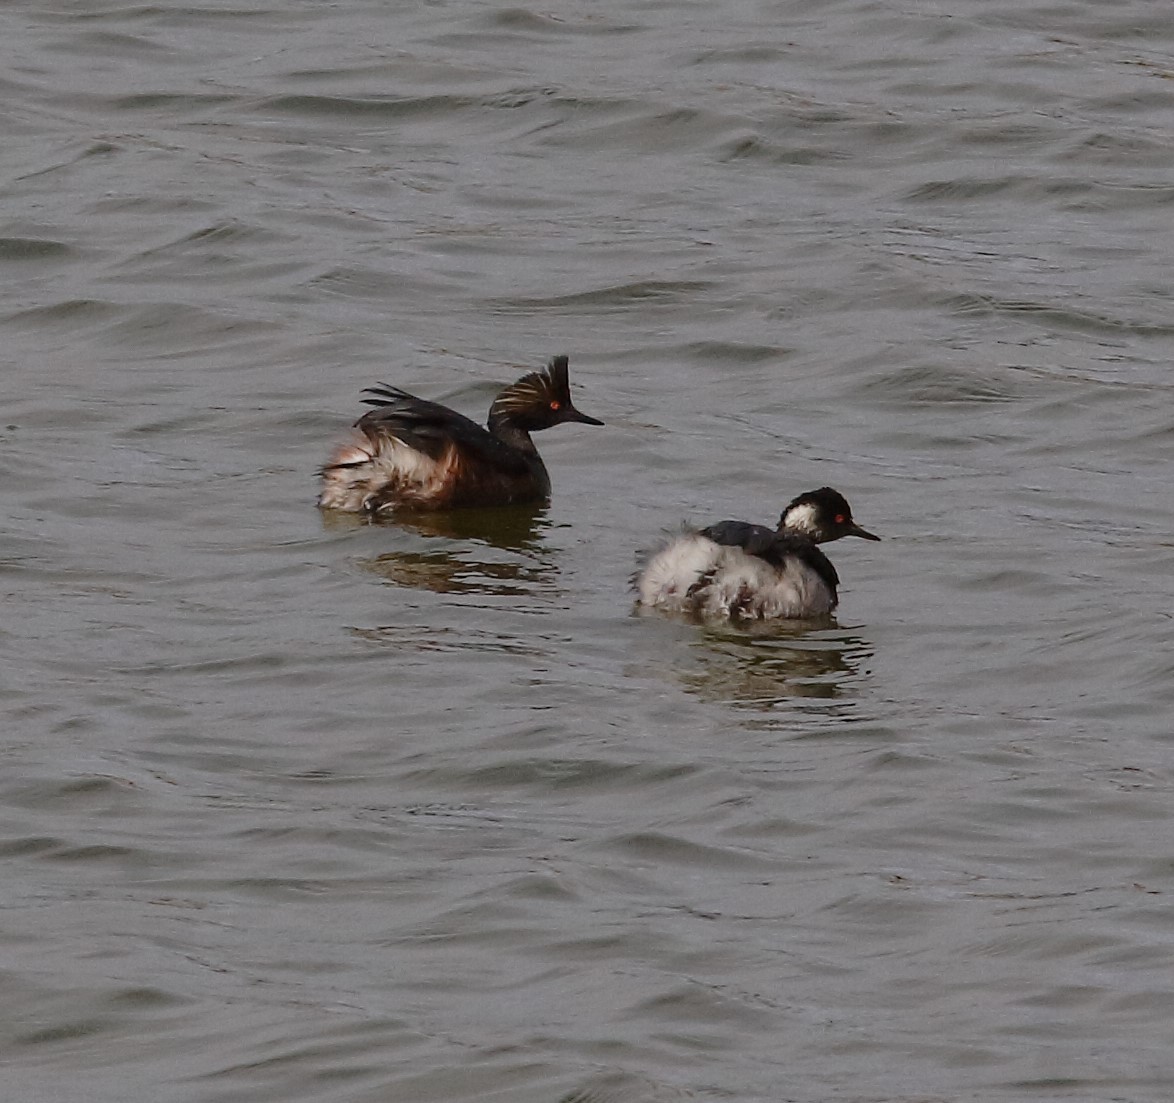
432,428
752,539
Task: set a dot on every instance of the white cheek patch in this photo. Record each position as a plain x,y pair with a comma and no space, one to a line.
802,518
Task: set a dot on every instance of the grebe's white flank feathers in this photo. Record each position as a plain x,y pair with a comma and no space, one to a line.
362,467
690,573
673,566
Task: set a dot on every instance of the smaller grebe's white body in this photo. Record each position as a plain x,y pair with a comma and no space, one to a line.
738,570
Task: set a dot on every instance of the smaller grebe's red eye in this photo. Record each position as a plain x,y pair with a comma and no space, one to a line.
839,518
555,405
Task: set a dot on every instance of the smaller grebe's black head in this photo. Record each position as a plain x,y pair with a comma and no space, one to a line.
538,400
822,515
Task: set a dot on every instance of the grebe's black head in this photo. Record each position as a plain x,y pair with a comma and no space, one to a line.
539,400
822,515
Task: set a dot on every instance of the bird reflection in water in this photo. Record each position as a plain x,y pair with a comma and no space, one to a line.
497,552
765,666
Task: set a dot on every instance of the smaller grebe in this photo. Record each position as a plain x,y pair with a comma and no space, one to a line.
739,570
409,453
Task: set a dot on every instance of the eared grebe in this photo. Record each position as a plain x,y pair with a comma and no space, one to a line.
736,569
412,454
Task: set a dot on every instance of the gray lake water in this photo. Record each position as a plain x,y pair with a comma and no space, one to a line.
300,809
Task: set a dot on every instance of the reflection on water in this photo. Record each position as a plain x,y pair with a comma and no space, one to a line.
447,639
762,666
496,552
446,572
514,528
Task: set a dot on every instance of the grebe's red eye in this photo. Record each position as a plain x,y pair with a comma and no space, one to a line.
555,404
840,518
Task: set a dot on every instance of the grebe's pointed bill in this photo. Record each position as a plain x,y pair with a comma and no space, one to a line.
855,530
571,414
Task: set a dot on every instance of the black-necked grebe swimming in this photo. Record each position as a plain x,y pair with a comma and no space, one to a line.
412,454
739,570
